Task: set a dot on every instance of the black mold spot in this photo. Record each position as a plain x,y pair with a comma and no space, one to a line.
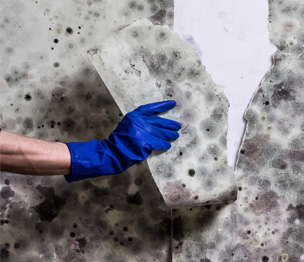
191,172
56,41
265,259
56,64
242,152
16,245
4,253
6,181
7,192
69,30
28,97
240,188
135,199
72,234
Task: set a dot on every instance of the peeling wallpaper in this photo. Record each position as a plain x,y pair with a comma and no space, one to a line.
145,63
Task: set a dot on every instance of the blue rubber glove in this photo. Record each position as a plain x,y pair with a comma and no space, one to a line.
136,136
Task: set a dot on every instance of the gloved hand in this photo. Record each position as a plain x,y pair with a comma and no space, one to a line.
136,136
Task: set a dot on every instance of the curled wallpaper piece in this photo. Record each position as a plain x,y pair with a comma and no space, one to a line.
145,63
50,90
266,223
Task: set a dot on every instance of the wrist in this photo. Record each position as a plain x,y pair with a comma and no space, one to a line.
91,159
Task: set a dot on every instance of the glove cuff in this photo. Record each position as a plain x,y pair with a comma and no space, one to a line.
90,159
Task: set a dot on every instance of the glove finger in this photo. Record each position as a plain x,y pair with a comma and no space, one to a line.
166,123
161,144
163,133
158,107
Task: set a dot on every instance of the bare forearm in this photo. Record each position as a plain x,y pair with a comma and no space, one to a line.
25,155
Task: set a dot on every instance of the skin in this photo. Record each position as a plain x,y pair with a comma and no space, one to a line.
30,156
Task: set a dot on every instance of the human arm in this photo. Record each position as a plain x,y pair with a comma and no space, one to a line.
136,136
31,156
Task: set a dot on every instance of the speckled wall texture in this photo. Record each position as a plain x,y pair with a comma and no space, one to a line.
50,90
266,223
